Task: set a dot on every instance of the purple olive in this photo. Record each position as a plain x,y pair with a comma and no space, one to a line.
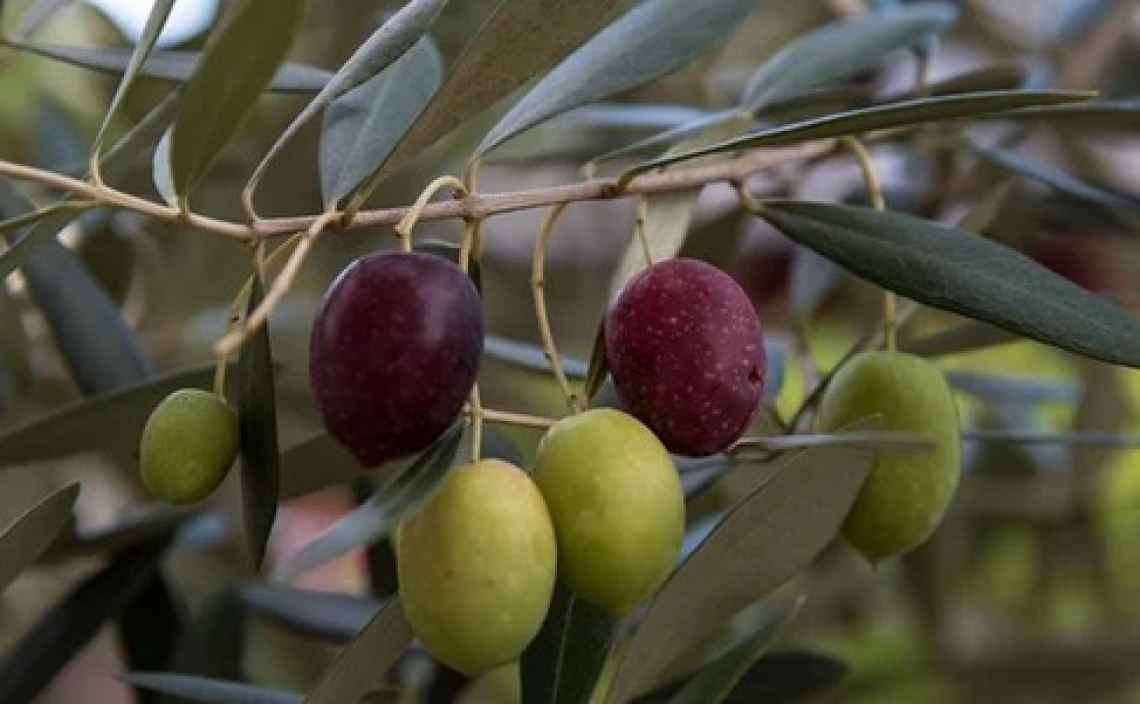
686,353
394,353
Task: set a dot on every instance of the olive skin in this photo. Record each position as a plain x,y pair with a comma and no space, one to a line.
477,565
188,445
686,352
907,493
394,352
617,503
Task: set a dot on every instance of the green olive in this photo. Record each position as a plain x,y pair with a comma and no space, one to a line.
477,565
188,445
907,493
617,504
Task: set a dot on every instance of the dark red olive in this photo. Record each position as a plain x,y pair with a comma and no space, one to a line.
394,353
686,353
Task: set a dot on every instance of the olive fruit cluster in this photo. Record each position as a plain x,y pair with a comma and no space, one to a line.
394,352
907,493
188,445
477,563
686,352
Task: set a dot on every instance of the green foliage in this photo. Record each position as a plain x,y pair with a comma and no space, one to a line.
816,152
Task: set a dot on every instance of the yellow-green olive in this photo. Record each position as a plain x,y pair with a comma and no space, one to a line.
907,492
477,565
617,504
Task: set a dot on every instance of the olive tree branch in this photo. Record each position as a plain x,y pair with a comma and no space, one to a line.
479,206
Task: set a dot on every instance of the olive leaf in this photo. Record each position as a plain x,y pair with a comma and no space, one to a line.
156,20
842,49
387,44
650,40
336,618
564,661
539,32
238,63
30,534
366,658
745,557
373,519
207,690
172,66
257,423
964,273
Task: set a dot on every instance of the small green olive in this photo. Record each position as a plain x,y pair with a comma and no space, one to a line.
617,504
907,493
188,445
477,565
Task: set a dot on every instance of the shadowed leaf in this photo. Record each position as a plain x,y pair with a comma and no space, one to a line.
374,519
35,659
371,654
23,541
207,690
747,556
563,663
109,421
257,421
329,616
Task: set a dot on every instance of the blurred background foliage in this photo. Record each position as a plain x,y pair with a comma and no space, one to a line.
1026,594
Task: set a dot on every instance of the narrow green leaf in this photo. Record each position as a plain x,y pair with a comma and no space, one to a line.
714,682
156,20
988,78
866,440
171,66
237,65
329,616
649,41
679,133
747,556
841,49
257,422
563,663
388,43
374,519
879,117
207,690
318,463
107,421
362,127
33,217
1058,179
366,659
599,366
39,655
539,33
23,541
1118,115
964,273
